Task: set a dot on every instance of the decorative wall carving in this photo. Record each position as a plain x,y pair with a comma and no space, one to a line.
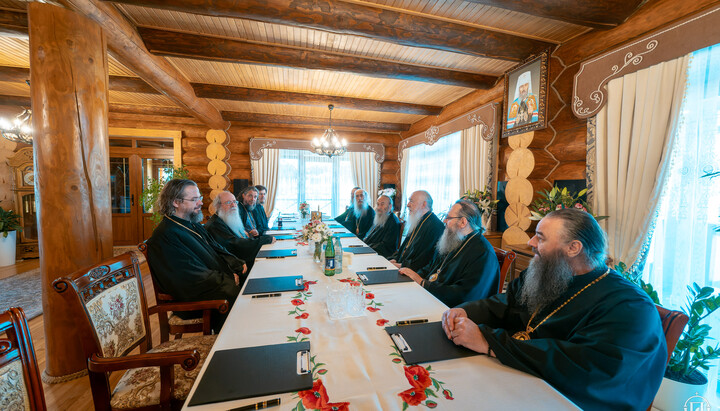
257,145
681,38
486,116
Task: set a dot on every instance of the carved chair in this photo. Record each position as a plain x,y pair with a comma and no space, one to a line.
112,297
20,384
505,259
171,323
673,324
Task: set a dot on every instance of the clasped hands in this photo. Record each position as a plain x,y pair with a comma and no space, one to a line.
237,277
463,331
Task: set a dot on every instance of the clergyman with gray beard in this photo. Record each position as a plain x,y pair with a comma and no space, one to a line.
571,321
423,229
186,262
384,235
464,266
360,217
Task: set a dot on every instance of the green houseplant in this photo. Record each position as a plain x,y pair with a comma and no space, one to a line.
9,221
9,226
559,198
153,187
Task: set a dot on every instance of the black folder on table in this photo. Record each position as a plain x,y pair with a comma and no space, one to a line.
359,250
382,277
343,235
427,342
284,237
252,372
334,226
277,253
284,228
273,284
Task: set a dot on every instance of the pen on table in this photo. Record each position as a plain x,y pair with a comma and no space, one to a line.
355,245
376,268
409,322
259,406
266,295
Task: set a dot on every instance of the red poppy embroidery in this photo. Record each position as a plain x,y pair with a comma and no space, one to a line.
315,398
413,396
303,330
297,302
373,309
340,406
382,322
302,316
448,395
418,377
369,296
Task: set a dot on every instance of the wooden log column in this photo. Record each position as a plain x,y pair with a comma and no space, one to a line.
519,190
218,167
69,82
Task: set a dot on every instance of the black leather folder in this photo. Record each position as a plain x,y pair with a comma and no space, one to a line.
359,250
252,372
382,277
284,228
343,235
277,253
334,226
421,343
284,237
273,284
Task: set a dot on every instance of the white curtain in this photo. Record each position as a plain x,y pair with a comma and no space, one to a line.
476,160
265,172
634,135
366,173
403,180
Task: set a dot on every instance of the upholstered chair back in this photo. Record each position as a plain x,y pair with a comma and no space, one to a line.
113,298
20,385
505,259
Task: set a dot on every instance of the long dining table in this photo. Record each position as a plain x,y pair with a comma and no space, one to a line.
355,363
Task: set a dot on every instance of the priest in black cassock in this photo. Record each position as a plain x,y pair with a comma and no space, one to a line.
384,235
259,215
348,209
572,321
227,228
464,267
424,231
360,218
248,203
185,260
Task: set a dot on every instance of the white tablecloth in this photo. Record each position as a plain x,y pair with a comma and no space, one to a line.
359,364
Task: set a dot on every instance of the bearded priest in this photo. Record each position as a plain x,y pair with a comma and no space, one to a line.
464,267
570,320
384,235
360,217
423,232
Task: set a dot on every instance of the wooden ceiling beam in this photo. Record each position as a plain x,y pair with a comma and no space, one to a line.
241,117
590,13
14,22
195,46
222,92
364,20
125,43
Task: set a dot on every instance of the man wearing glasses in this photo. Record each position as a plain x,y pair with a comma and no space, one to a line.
228,229
464,267
185,260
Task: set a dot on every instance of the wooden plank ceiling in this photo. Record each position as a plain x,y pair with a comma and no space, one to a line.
384,64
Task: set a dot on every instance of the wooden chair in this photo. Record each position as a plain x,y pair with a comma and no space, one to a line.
20,381
673,324
171,323
505,259
112,296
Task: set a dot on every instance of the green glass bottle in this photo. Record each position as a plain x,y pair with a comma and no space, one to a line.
329,257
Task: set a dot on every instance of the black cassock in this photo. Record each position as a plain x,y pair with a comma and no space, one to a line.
248,218
244,248
417,250
604,350
469,273
190,265
260,219
358,227
384,240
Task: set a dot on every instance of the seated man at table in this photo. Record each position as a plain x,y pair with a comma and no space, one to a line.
227,228
185,260
361,216
248,203
571,321
259,215
384,235
424,231
348,209
464,267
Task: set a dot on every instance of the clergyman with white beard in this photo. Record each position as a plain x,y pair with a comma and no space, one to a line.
360,218
424,229
384,235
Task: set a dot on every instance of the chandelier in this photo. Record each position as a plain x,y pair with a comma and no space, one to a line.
329,144
19,130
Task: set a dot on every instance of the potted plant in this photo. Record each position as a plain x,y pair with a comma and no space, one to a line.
557,199
9,226
683,376
484,201
152,190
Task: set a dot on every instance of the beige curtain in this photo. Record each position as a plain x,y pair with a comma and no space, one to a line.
265,172
366,173
634,134
403,180
476,160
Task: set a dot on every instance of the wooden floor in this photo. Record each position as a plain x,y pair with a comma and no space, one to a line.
74,395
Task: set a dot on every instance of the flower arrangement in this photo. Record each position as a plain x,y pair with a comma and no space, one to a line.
557,199
316,231
390,192
483,199
304,209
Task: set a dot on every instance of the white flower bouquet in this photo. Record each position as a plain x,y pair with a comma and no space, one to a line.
316,231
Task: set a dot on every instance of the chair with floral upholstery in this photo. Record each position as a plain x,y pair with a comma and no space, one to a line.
20,384
112,296
171,323
505,258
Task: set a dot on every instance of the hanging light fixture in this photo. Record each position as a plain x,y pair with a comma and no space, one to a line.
329,144
20,129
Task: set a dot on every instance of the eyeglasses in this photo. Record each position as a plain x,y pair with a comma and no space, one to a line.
193,200
231,203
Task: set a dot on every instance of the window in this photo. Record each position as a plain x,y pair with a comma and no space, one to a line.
321,181
435,169
685,246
